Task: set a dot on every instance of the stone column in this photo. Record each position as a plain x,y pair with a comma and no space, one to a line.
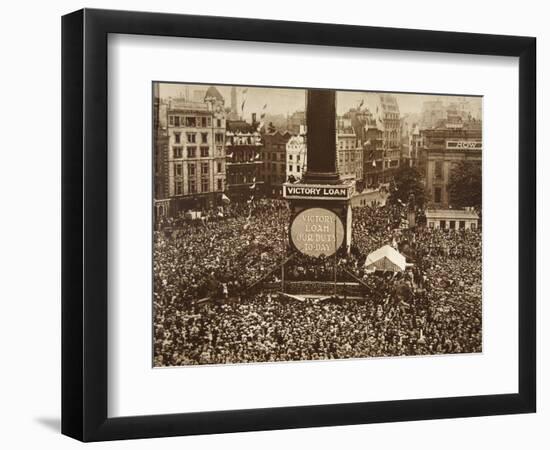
321,137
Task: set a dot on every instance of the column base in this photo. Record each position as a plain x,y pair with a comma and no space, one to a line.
321,178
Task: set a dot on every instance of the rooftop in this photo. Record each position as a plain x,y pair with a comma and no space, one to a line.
451,214
241,126
212,92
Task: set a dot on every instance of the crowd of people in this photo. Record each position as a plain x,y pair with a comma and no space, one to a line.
228,251
213,303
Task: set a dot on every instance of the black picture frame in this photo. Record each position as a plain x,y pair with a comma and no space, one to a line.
84,224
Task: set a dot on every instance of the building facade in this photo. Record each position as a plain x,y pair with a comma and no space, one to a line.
387,112
383,139
274,162
296,157
349,155
442,149
160,157
244,150
369,137
195,153
452,219
415,146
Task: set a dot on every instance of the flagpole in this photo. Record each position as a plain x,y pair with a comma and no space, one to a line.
345,294
284,260
335,260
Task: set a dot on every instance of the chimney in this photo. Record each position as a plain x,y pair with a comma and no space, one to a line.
253,118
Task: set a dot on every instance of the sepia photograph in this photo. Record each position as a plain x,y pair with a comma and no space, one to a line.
301,224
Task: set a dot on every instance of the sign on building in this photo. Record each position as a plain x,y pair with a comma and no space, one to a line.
464,145
312,191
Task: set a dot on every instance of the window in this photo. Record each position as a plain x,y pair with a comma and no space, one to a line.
204,169
290,168
178,151
171,120
431,224
204,137
178,187
203,122
462,224
191,152
178,169
298,158
192,186
177,138
437,195
297,168
204,152
438,170
219,123
473,226
190,122
204,185
442,224
191,170
191,137
452,224
219,167
290,157
220,184
177,121
219,138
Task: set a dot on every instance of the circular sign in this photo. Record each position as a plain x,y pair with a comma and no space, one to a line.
317,231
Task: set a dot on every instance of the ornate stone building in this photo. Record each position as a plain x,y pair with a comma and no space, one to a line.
349,160
243,159
274,156
195,155
442,149
296,156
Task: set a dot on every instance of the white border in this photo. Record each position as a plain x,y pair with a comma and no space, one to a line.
136,389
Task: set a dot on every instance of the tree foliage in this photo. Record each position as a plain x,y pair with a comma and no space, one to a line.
407,181
465,185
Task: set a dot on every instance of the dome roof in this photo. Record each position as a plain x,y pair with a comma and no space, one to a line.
213,92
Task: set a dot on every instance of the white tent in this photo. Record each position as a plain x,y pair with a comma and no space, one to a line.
386,258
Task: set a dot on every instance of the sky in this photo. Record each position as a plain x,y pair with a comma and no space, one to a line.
286,101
